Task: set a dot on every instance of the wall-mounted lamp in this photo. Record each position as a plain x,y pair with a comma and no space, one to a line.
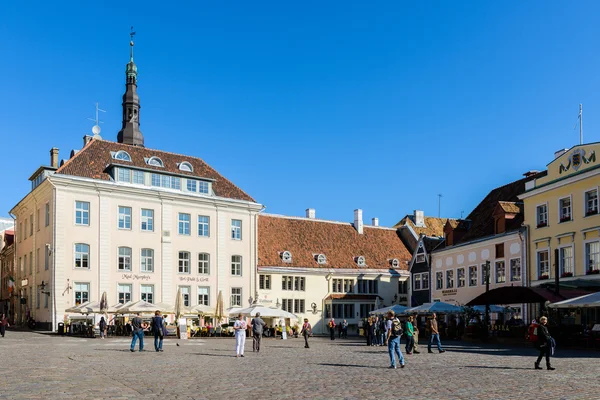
278,304
42,286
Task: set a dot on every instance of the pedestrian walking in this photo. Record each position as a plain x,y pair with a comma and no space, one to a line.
416,334
544,343
410,331
3,324
157,326
257,330
306,332
137,326
283,328
332,328
240,335
435,334
102,326
394,331
376,332
345,329
371,326
381,332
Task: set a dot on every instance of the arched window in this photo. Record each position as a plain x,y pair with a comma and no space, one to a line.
286,256
156,162
186,166
122,155
360,261
321,259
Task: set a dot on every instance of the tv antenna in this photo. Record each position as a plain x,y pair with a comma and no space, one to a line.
440,205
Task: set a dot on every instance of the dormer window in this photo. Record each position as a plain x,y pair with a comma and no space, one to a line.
395,263
155,162
286,256
186,166
360,261
122,155
321,259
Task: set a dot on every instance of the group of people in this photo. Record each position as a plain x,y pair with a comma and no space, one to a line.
342,329
157,327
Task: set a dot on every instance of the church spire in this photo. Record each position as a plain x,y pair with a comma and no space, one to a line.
130,132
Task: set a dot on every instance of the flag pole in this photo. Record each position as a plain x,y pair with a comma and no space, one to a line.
580,123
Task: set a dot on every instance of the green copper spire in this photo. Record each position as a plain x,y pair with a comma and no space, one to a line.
131,69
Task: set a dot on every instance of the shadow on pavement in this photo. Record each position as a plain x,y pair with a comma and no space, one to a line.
486,367
349,365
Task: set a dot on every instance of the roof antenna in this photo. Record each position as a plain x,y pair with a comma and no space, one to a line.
461,214
439,205
96,128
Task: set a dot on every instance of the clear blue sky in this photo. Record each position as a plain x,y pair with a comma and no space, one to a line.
330,105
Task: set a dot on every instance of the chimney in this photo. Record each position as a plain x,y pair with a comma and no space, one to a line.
54,157
87,139
358,222
560,153
419,218
311,213
375,221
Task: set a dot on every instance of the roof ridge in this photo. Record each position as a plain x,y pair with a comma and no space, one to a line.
322,220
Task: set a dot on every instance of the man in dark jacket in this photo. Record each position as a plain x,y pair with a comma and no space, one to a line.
544,344
157,326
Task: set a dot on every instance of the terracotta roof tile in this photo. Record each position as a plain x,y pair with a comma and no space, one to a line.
92,160
510,207
433,226
338,241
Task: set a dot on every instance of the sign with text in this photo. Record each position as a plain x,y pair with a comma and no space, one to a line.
193,279
135,277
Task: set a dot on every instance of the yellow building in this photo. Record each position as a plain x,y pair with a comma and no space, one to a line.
561,212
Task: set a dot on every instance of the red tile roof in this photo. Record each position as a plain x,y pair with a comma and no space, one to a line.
339,242
92,160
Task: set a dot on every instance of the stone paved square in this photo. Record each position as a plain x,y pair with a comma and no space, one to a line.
38,366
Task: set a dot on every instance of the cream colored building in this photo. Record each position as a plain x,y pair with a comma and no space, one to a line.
318,269
133,222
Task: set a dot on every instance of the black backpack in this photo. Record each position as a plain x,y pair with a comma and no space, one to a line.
396,328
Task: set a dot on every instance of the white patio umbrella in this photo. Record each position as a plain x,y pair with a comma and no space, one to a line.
75,309
202,309
117,308
587,301
180,308
264,311
140,306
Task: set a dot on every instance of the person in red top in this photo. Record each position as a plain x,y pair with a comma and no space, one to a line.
306,331
332,328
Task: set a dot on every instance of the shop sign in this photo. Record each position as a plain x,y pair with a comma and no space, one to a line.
449,292
192,279
135,277
24,282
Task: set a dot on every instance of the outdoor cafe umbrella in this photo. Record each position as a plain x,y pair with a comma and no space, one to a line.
179,306
435,307
266,312
140,306
202,309
493,309
75,309
219,310
587,301
397,309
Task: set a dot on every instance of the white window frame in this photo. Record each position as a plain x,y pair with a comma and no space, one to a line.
182,224
497,276
184,262
205,296
80,255
464,271
562,269
235,265
146,259
122,155
155,162
191,185
186,166
586,202
425,284
537,215
144,291
286,257
560,214
237,295
471,268
204,187
146,220
587,256
537,262
204,265
186,293
76,286
439,287
47,214
205,225
236,231
123,175
515,277
135,175
85,214
124,218
124,259
119,291
420,258
416,282
264,281
453,279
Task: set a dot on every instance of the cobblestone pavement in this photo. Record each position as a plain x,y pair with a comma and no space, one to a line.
37,366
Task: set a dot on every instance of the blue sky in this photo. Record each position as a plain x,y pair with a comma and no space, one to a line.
329,105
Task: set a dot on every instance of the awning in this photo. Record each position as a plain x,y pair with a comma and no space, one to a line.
520,294
587,301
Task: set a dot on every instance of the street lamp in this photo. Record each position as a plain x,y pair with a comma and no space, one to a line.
486,323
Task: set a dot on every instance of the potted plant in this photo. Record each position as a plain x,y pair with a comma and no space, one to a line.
542,224
592,271
566,274
543,276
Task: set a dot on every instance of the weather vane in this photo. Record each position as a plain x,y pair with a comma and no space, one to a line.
132,34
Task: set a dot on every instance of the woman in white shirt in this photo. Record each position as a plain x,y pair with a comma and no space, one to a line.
240,335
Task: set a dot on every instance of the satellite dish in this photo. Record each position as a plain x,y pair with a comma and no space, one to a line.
96,130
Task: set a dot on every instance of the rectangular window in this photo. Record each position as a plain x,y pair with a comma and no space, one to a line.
191,185
349,285
483,274
286,282
82,292
203,295
365,309
147,221
184,262
515,269
185,293
461,278
336,285
139,178
348,311
175,183
543,264
124,217
24,234
38,297
124,292
38,220
566,261
439,280
403,286
542,215
236,297
82,213
204,263
425,280
30,262
147,260
203,187
82,255
287,305
46,301
473,275
564,209
264,282
156,180
420,258
500,250
203,225
449,279
47,214
31,225
236,229
123,175
592,257
147,293
299,306
25,264
236,265
591,202
37,260
367,286
417,282
184,223
46,258
124,260
165,181
500,272
299,282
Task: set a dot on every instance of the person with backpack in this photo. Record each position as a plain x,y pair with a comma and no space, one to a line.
394,329
544,344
